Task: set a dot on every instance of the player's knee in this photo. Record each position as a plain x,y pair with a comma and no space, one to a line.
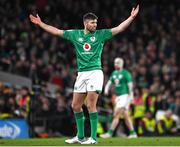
116,115
76,108
126,114
123,111
91,108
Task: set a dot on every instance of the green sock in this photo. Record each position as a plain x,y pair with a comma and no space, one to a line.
110,132
94,122
132,132
79,116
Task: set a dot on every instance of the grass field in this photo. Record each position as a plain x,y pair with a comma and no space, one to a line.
151,141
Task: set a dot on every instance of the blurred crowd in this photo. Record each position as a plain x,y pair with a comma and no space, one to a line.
150,48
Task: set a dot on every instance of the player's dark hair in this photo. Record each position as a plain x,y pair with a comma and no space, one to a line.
90,16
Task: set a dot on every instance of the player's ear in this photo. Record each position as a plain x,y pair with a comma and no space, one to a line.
85,23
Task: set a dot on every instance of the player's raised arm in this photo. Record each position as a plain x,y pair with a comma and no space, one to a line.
126,23
53,30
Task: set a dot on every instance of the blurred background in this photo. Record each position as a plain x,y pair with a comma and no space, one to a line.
38,70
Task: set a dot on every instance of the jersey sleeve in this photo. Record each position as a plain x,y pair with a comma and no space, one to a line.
106,34
69,35
129,77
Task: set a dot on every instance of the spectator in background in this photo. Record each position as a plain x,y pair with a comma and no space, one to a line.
59,123
147,125
7,101
2,108
139,107
23,101
12,106
176,108
166,124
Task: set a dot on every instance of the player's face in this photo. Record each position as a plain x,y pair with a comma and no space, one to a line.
90,25
116,66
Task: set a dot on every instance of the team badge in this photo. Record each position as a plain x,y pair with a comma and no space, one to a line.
92,39
80,39
86,46
120,76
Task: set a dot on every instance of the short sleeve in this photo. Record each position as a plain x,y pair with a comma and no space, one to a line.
68,34
129,77
106,34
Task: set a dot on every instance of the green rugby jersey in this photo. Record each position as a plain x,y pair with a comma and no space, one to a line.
120,79
88,47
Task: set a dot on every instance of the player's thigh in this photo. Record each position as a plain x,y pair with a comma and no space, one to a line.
78,99
118,112
92,98
95,81
126,113
80,84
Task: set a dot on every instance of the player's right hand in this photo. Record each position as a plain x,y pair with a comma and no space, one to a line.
35,19
135,11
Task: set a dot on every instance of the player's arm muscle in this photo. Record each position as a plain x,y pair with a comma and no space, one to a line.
126,23
122,26
53,30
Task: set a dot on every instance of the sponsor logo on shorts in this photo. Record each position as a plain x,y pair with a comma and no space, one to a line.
91,86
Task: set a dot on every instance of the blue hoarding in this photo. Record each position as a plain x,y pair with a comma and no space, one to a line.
13,128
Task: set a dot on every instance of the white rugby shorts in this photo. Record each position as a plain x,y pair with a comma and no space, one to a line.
89,81
122,101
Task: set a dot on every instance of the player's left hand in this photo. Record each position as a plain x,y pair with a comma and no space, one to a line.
134,11
35,19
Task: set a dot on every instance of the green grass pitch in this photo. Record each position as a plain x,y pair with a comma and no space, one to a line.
151,141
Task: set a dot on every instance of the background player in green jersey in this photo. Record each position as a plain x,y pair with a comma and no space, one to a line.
123,86
88,44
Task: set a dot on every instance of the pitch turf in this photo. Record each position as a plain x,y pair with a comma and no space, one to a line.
151,141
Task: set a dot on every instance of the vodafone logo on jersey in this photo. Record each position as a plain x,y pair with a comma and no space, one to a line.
86,46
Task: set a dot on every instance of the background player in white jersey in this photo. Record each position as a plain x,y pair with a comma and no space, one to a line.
122,81
88,43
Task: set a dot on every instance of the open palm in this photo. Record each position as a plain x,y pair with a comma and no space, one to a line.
35,19
135,11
